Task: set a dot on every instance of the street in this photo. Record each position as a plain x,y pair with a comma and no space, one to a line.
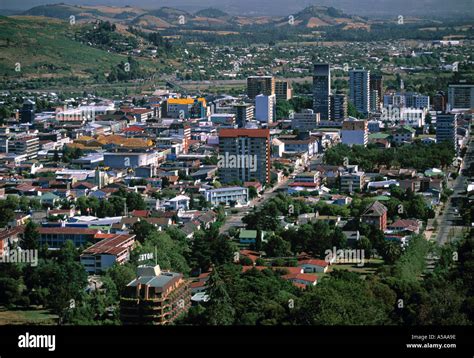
447,221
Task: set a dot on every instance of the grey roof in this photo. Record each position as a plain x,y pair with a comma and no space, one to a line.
160,282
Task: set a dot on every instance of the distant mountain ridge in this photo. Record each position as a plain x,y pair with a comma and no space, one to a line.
164,17
283,7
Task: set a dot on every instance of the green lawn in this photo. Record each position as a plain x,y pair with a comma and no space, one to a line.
31,316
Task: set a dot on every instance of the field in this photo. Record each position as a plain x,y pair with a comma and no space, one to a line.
26,317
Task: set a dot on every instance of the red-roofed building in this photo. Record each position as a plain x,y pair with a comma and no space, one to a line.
110,250
411,225
301,279
200,284
313,265
140,213
376,215
133,131
55,237
252,255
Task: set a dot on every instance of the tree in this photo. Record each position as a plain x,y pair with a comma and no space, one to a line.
142,229
10,291
121,275
390,252
276,246
222,250
200,256
31,237
252,192
345,299
219,312
364,244
135,201
169,253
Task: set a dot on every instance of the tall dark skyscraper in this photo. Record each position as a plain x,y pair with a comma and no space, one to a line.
322,90
338,107
27,111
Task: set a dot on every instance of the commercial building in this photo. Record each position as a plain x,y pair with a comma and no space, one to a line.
244,155
352,181
338,107
305,121
446,129
265,108
186,108
376,84
122,160
416,100
155,297
244,112
359,90
322,90
355,132
27,111
439,102
55,237
113,248
283,90
25,145
260,85
461,96
228,196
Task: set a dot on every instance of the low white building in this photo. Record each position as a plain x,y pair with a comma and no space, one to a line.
179,202
228,196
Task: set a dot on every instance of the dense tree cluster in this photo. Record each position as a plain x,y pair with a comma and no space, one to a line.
418,156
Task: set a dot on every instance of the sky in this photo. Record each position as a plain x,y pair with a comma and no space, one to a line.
277,7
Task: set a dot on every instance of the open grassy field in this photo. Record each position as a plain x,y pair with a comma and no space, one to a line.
27,317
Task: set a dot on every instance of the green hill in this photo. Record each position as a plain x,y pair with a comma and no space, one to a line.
46,48
60,11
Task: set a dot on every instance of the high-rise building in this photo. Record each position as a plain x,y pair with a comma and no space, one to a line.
27,111
322,90
338,107
461,96
244,155
155,297
359,90
283,90
243,113
374,101
376,84
355,132
260,85
446,129
265,108
439,102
